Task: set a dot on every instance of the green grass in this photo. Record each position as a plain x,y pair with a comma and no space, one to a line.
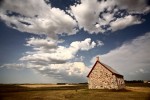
79,92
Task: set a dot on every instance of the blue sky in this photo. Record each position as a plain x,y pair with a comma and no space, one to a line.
57,41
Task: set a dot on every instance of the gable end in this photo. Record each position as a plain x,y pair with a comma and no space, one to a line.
114,73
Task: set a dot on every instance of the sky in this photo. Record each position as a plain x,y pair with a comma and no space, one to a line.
52,41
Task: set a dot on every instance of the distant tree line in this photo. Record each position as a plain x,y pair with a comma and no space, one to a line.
126,81
71,83
134,81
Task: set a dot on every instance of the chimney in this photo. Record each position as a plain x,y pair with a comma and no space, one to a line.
97,58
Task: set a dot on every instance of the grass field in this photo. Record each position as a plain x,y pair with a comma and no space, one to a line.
72,92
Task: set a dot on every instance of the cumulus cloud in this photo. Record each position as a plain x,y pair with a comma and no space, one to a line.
72,72
108,17
131,59
50,59
87,14
46,50
99,43
36,17
16,66
134,6
122,23
66,72
83,45
92,15
42,43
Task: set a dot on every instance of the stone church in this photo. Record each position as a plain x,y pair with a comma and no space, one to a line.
103,76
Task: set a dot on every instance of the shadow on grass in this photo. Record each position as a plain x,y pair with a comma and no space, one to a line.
107,90
138,84
16,88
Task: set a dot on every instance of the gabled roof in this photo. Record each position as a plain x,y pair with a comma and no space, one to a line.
107,67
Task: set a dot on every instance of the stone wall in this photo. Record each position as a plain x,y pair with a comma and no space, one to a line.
102,78
121,83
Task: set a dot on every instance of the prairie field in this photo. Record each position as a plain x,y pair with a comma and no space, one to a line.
133,91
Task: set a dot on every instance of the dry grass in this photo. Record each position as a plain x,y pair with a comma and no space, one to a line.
138,89
78,92
42,85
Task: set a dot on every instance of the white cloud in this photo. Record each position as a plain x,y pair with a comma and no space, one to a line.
67,72
50,58
130,57
83,45
88,11
108,17
45,43
134,6
54,61
16,66
79,58
46,50
40,18
99,43
122,23
87,14
37,17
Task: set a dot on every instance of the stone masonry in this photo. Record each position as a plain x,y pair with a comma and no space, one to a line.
102,77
